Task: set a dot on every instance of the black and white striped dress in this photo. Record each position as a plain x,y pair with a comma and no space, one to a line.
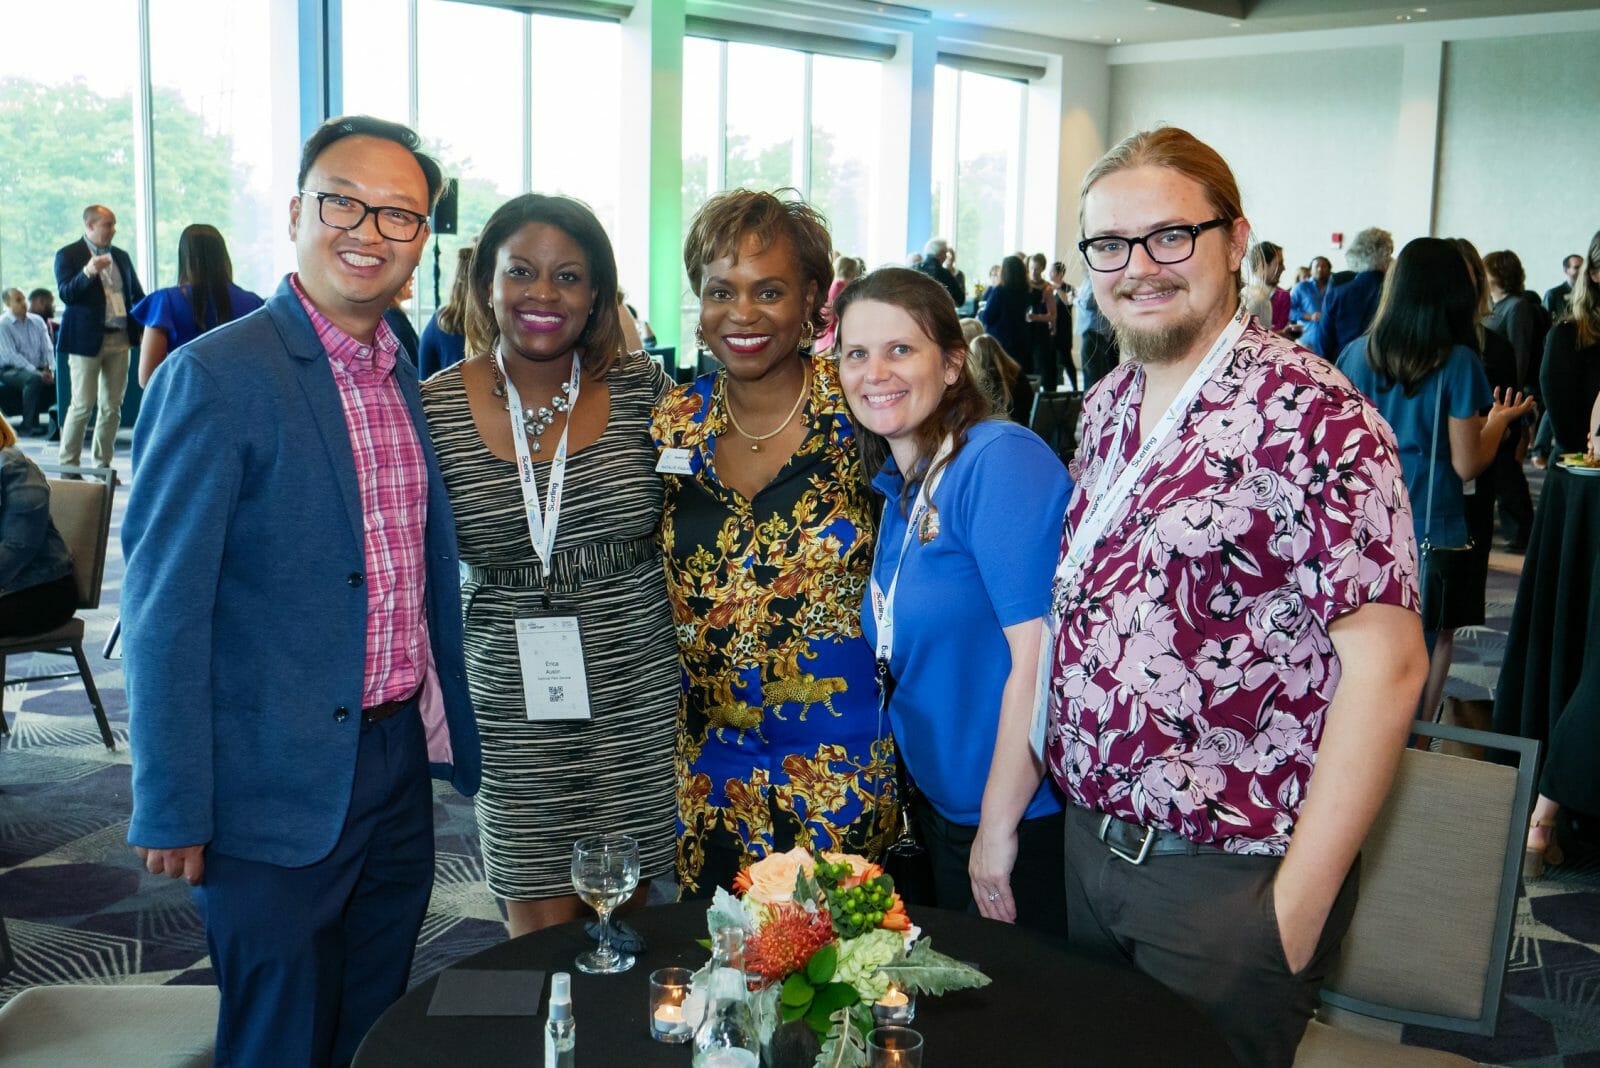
548,784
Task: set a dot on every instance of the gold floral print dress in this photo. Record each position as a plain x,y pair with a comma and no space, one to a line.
780,739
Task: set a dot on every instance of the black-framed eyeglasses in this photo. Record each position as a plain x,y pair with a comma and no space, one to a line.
1168,245
347,213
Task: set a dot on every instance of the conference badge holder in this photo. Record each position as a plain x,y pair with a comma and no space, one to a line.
555,680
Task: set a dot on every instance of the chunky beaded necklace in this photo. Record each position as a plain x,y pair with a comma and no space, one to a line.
535,421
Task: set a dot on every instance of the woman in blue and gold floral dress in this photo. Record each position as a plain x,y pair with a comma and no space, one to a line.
768,537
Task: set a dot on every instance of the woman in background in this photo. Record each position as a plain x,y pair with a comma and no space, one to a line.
37,590
545,330
768,535
204,297
845,271
1570,372
1419,366
970,534
444,339
1262,297
1001,378
1042,325
1007,312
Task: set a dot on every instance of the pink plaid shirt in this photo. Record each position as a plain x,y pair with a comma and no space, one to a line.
393,476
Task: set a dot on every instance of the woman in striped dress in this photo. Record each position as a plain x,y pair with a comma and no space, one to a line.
543,316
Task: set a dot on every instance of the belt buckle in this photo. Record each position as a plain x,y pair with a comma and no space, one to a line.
1145,845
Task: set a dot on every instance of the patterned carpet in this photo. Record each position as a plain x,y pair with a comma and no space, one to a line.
80,909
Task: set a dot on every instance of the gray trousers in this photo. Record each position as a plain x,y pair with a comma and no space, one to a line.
1203,926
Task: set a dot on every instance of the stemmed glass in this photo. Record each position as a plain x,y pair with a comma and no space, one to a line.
605,871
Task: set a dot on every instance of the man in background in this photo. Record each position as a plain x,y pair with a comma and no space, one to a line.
1555,299
26,359
42,303
98,285
1347,311
1305,301
932,265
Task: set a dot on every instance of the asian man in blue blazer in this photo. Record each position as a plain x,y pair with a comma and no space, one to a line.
292,622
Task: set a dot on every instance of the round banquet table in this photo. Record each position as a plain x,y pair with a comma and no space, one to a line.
1045,1006
1549,686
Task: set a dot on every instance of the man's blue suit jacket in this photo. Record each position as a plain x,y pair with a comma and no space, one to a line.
83,320
244,606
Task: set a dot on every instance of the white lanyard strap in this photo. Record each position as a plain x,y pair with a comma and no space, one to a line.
542,521
883,603
1110,494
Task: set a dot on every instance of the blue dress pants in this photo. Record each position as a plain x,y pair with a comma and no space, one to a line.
308,958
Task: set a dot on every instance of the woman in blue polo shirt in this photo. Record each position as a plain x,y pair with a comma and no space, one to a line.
961,585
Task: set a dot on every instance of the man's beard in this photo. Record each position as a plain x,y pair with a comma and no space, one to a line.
1159,344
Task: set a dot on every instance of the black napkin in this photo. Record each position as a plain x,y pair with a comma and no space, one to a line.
473,992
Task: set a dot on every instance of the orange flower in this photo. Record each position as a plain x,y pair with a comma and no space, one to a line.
862,870
896,919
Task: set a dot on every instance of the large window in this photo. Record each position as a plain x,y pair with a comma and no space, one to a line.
474,125
759,117
218,159
508,102
977,165
66,132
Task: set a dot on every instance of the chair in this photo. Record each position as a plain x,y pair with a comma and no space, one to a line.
126,1025
1055,419
81,511
1432,930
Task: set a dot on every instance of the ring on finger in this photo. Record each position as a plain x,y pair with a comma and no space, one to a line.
994,895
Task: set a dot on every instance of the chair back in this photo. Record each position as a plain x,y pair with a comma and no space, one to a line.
1439,875
81,512
1055,419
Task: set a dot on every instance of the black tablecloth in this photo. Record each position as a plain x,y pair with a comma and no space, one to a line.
1046,1005
1550,684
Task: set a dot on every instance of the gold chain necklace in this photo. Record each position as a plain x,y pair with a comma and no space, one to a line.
756,440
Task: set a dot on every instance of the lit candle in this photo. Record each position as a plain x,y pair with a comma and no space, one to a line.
669,1018
895,1007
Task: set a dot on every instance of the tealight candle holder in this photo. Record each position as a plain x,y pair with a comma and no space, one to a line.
897,1008
669,987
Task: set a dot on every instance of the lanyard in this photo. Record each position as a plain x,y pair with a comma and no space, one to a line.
541,521
1109,496
883,603
1110,493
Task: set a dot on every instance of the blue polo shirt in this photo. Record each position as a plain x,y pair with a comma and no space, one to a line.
1000,506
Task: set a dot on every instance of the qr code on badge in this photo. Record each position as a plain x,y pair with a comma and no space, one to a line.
557,694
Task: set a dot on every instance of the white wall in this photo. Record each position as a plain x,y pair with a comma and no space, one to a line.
1520,147
1311,136
1482,128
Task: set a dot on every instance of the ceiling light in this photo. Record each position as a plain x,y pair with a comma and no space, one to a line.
960,14
1119,40
1236,25
1420,10
1402,18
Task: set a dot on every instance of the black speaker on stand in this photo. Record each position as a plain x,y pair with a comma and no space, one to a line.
443,222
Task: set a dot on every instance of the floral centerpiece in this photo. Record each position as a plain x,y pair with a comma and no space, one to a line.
826,935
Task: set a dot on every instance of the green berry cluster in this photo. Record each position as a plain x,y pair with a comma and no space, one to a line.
860,908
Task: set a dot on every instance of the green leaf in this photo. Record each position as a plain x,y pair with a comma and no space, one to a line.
928,972
704,943
829,1000
845,1045
792,1013
805,887
797,991
823,963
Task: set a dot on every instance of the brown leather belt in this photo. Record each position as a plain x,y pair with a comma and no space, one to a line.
379,713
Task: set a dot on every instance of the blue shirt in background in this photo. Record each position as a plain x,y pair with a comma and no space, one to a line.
1000,503
440,349
1466,394
170,311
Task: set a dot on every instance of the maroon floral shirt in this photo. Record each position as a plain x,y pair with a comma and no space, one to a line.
1192,666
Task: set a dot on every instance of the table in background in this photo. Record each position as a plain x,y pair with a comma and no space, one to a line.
1549,686
1045,1006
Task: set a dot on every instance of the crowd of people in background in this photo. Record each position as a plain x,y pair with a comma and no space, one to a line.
831,589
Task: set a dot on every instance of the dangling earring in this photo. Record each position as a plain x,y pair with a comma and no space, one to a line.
808,334
699,336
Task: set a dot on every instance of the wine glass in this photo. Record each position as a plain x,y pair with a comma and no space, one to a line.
605,871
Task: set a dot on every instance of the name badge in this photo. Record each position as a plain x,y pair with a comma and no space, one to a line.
555,683
674,462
